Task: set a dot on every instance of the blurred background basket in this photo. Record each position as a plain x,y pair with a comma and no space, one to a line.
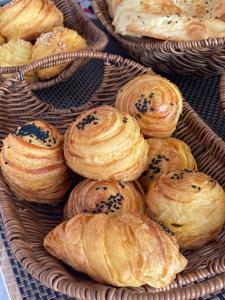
26,224
199,58
74,18
222,92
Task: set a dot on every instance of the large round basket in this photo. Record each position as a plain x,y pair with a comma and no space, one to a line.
199,58
74,18
27,224
222,92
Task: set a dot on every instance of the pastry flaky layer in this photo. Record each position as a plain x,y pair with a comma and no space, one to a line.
27,19
129,250
154,101
59,40
33,165
105,197
104,143
190,204
166,155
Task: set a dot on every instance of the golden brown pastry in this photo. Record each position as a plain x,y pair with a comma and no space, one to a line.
27,19
129,250
112,6
105,197
33,165
104,143
57,41
190,204
2,40
166,155
154,101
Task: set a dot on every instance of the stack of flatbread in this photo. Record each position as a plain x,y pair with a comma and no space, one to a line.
176,20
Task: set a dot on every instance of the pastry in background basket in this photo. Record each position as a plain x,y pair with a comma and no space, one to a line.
27,19
57,41
2,40
104,143
32,163
154,101
112,6
166,155
190,204
126,250
105,197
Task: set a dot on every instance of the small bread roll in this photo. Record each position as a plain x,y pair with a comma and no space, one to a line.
2,40
104,144
59,40
126,250
190,204
154,101
27,19
105,196
166,155
33,165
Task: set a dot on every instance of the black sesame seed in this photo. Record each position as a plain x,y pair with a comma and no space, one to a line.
105,188
194,186
6,163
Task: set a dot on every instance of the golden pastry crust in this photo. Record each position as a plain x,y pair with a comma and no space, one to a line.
27,19
112,6
105,197
104,143
190,204
166,155
154,101
33,165
129,250
59,40
2,40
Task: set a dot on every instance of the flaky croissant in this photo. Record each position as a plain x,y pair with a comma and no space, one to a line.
154,101
33,165
190,204
126,250
104,143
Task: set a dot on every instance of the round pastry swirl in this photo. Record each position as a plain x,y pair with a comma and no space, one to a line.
33,165
190,204
154,101
105,197
129,250
106,144
166,155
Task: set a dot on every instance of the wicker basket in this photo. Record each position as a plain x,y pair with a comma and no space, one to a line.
27,224
200,58
222,92
74,18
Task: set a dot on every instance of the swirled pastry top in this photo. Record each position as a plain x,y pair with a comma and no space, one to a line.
129,250
154,101
104,143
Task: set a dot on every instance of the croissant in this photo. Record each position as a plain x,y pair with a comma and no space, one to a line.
27,19
104,144
166,155
33,165
57,41
2,40
190,204
105,196
129,250
154,101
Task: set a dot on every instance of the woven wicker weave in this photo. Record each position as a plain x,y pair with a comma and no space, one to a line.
222,92
74,18
200,58
27,224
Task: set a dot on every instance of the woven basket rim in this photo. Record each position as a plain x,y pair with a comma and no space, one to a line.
222,91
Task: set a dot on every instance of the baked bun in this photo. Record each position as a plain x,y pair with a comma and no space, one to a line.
154,101
27,19
126,250
2,40
105,197
190,204
59,40
166,155
104,144
33,165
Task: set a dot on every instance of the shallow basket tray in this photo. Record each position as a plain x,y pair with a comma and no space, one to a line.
222,92
74,18
27,224
199,58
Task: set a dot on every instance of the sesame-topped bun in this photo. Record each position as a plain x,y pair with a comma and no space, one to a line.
190,204
33,165
59,40
104,143
2,40
154,101
105,197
